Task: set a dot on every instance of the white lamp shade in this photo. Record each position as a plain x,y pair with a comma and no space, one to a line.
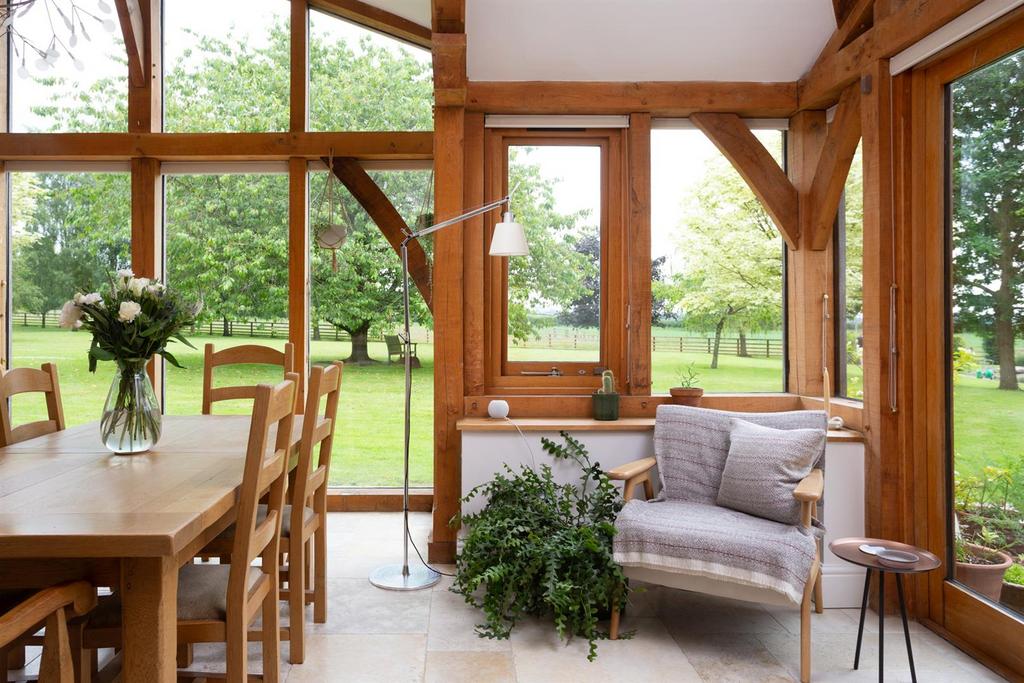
509,238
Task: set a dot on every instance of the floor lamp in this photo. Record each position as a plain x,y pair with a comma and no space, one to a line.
508,239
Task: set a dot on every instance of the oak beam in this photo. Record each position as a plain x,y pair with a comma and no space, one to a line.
834,166
214,146
858,19
386,216
657,98
757,167
298,267
638,276
449,61
448,16
129,12
376,19
298,108
147,206
899,30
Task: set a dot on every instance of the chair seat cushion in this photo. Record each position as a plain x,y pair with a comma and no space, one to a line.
715,542
202,595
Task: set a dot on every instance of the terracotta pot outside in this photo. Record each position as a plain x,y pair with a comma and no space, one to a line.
686,396
986,579
1012,596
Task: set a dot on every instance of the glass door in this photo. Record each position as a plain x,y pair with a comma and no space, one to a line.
985,350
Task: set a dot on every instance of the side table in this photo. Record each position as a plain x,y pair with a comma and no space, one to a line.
849,549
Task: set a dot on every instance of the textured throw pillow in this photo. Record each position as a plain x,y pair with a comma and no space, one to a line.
764,466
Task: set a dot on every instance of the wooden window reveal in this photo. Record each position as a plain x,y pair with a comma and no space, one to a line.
505,373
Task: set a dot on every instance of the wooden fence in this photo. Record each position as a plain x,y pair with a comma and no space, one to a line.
563,339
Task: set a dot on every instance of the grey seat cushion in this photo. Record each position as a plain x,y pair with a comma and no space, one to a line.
714,542
202,595
764,467
692,444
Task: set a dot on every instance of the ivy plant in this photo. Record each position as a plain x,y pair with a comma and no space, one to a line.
544,549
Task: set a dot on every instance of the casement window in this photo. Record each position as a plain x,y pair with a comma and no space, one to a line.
848,311
556,317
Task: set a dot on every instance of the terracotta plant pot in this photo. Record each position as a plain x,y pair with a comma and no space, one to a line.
986,579
1012,596
686,396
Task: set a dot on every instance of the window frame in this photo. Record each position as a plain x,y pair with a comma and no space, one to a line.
504,376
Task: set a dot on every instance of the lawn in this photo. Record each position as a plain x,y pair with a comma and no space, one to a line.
988,423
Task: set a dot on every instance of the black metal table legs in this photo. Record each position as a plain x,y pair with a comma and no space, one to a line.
881,624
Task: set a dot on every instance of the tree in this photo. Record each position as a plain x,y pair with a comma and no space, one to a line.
731,272
988,207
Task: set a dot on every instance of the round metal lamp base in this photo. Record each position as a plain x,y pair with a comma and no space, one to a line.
390,577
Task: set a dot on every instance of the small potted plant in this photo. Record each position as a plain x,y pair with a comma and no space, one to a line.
980,565
1012,594
687,393
606,399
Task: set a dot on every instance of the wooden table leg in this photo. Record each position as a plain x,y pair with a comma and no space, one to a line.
149,590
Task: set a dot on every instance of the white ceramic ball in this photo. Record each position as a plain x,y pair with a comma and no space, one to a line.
498,409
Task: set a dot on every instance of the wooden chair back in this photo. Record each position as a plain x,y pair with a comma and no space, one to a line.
256,354
394,344
272,407
23,381
317,430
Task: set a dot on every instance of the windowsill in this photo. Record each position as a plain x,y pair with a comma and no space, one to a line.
581,424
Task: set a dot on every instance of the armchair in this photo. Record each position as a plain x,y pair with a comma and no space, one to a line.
684,540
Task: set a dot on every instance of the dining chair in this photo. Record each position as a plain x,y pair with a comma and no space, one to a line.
218,603
24,381
54,609
245,354
304,525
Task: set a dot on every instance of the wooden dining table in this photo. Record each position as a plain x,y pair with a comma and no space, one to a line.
70,509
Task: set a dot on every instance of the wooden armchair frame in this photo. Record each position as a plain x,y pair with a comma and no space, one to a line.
808,492
245,354
24,381
52,609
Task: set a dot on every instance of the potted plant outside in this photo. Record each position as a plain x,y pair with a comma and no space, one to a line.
687,393
981,568
1012,594
987,523
606,399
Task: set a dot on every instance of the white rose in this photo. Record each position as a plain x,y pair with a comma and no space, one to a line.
125,273
137,285
70,316
77,298
92,299
155,289
128,311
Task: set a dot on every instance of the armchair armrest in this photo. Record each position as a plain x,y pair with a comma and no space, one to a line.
632,474
809,492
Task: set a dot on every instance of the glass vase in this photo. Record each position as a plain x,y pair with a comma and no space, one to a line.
131,415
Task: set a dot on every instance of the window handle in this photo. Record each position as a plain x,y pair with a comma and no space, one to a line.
553,372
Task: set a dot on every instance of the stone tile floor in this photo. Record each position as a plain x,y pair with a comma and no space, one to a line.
373,635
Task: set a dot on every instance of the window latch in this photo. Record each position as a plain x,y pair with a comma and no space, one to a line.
553,372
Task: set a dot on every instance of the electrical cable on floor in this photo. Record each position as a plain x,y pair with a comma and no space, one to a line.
533,459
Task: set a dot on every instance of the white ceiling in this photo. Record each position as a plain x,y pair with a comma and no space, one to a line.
414,10
644,40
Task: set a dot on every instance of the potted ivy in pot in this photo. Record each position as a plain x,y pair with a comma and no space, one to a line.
606,399
1012,594
687,393
543,549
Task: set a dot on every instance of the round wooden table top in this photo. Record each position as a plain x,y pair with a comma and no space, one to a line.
849,550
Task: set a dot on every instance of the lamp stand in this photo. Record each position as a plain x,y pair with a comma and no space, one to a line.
400,577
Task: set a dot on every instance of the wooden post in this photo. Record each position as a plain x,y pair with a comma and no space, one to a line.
638,345
449,55
808,272
298,266
299,100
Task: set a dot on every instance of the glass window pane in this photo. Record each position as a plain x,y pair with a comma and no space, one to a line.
355,305
69,231
850,294
229,71
85,87
987,222
554,294
717,270
227,246
361,80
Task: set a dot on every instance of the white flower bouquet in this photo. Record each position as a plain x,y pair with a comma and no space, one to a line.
134,320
